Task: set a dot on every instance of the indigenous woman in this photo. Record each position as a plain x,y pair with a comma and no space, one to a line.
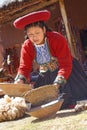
50,50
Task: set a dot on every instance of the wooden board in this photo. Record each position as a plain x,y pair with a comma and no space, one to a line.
15,90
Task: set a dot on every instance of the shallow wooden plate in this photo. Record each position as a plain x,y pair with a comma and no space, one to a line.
12,89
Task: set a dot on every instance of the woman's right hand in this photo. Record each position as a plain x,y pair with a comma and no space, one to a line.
19,81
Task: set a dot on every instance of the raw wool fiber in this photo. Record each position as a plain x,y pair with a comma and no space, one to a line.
12,108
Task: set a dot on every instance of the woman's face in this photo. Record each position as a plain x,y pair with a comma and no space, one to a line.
36,34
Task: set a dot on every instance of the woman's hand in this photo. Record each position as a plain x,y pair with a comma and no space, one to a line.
60,80
19,81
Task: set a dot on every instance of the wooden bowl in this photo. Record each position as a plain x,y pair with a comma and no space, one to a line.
42,95
15,90
46,110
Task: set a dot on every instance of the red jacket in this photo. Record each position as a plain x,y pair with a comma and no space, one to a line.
58,47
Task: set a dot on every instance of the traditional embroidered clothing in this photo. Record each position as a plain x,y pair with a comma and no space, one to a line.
61,52
44,58
42,53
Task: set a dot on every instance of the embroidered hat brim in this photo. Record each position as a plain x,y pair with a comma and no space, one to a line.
21,22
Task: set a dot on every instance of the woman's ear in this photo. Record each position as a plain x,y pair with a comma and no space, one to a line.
44,29
26,37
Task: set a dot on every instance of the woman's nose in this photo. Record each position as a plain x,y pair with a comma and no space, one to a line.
34,36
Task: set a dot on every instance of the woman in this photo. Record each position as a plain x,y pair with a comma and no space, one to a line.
50,50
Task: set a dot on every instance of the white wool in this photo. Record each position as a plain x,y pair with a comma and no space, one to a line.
12,108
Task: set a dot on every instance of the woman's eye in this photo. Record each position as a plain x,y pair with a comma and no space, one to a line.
37,32
30,35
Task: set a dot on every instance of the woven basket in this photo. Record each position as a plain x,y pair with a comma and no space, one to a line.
46,110
15,90
42,95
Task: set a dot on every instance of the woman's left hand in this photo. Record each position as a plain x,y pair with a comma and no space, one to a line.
19,81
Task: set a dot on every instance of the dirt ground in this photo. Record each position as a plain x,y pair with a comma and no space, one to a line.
63,120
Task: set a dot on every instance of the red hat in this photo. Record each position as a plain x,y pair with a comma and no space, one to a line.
21,22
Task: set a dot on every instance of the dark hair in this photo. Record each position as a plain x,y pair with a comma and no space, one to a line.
39,24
